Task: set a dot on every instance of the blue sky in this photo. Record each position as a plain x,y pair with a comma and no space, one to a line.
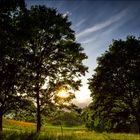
96,23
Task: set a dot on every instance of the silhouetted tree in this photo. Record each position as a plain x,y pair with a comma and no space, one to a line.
115,86
11,46
52,56
11,5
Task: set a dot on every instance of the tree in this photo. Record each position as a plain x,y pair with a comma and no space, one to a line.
66,119
115,85
11,46
53,58
11,5
87,117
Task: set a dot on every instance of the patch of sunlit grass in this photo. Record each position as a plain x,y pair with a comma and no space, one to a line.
16,130
18,125
20,122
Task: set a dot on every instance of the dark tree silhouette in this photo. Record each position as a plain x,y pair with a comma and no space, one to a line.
11,46
11,5
115,86
53,58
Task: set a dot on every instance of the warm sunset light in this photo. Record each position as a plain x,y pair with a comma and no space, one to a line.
63,94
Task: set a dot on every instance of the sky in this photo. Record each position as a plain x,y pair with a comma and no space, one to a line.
96,23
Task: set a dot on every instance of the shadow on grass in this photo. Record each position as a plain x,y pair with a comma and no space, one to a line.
7,135
18,136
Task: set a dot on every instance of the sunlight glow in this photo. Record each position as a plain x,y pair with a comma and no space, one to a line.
63,94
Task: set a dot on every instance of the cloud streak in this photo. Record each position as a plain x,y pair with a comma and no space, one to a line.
80,23
102,25
87,40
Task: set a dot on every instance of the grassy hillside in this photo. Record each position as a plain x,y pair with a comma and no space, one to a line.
15,130
17,125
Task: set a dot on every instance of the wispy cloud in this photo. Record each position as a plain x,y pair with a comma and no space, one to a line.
87,40
102,25
80,23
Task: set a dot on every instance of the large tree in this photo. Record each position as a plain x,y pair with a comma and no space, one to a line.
11,46
115,85
53,58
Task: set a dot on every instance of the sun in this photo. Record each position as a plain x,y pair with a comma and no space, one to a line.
63,94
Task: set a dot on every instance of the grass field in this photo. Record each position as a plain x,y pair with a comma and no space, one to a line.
15,130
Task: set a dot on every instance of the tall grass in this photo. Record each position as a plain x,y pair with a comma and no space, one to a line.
18,131
12,135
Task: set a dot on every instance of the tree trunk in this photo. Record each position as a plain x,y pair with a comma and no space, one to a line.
1,121
38,112
136,115
138,121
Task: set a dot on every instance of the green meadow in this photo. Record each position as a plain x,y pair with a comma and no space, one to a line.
15,130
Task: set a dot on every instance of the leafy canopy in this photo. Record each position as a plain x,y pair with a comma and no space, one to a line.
52,57
115,86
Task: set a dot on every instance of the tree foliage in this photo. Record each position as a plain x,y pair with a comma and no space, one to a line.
11,5
66,119
39,56
11,51
52,58
115,86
